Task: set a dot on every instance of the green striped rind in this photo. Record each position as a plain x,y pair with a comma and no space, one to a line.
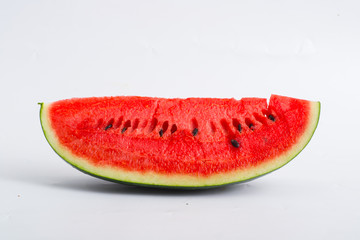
153,179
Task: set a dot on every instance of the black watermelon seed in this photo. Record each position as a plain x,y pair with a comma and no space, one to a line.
272,118
251,126
108,126
239,127
161,132
235,143
195,132
123,130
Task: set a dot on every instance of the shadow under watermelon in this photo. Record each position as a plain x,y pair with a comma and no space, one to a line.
97,185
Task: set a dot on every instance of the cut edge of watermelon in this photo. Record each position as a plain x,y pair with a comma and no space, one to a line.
178,181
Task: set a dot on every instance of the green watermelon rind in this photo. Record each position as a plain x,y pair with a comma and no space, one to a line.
292,153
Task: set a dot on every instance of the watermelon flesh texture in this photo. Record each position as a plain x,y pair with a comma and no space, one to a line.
187,143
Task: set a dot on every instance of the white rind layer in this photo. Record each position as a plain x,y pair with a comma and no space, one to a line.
183,181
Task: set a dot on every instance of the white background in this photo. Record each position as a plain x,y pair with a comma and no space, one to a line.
51,50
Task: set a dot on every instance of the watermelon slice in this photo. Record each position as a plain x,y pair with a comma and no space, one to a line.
179,143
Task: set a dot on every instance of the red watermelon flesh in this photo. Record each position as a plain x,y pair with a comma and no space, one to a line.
194,142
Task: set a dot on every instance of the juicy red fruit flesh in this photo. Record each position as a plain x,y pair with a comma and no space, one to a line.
184,136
